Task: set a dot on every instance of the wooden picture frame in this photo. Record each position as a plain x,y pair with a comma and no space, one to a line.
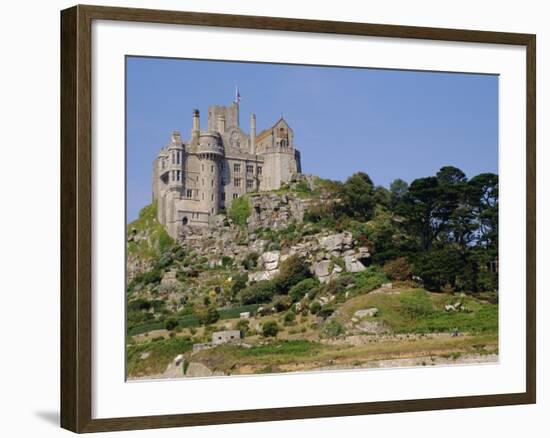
76,217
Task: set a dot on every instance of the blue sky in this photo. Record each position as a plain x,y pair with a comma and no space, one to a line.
388,123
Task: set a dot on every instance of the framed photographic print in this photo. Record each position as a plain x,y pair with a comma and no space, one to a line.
268,218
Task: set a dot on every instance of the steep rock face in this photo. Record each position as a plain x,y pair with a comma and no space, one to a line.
275,211
328,254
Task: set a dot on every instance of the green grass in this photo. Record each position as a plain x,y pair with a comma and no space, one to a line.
269,355
161,352
234,312
240,210
145,328
158,240
190,320
417,311
294,348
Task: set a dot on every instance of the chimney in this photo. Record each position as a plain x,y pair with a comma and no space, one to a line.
196,124
252,134
221,124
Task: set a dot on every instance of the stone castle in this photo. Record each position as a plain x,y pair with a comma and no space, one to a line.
193,180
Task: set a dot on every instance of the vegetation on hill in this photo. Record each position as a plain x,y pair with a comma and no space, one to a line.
240,210
435,241
156,240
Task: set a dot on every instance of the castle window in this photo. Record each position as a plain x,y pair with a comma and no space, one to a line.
249,183
184,221
173,175
212,183
223,196
284,143
212,169
203,182
189,193
236,168
237,182
235,195
178,157
178,177
173,158
259,170
250,168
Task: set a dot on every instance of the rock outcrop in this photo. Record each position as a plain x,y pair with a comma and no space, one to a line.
275,211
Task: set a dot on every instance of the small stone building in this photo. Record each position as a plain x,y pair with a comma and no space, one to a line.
226,336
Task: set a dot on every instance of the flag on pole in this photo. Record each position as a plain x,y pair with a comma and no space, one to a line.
237,95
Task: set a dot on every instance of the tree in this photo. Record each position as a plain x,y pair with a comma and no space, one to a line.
429,204
382,196
357,195
292,270
440,268
398,189
260,292
483,195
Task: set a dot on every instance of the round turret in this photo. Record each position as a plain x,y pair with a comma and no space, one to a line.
210,143
210,152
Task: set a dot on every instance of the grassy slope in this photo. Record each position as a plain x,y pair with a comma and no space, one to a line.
157,240
160,354
418,311
479,328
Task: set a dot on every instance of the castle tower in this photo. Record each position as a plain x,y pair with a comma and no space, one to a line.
210,153
253,134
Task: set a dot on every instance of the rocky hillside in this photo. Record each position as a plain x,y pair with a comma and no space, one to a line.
274,272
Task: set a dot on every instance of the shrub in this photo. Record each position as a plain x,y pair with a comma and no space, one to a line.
240,211
239,283
289,317
370,279
226,261
292,270
150,277
138,305
243,325
326,311
333,329
250,261
299,290
208,315
260,292
315,307
282,304
398,269
164,260
170,323
270,329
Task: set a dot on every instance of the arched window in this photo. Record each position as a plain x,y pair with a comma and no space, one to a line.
184,221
